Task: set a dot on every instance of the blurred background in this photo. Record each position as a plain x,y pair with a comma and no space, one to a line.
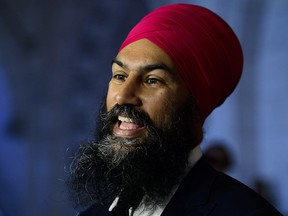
54,69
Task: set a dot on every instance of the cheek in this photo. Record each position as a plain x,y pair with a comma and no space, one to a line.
160,110
164,106
110,98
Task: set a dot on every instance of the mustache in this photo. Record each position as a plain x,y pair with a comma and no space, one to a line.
109,118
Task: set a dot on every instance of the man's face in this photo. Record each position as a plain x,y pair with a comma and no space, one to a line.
144,77
144,133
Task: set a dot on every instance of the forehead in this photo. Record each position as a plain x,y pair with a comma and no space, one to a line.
142,52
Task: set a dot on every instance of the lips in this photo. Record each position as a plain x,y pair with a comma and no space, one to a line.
128,127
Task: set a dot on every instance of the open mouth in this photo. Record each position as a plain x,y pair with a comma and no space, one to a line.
128,127
126,123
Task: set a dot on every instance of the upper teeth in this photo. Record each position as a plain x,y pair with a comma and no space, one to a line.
125,119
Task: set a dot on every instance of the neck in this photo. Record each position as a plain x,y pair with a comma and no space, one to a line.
194,155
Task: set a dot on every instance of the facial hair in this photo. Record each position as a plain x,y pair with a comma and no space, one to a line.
147,167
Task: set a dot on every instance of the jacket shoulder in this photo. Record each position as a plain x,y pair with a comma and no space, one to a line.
231,195
205,191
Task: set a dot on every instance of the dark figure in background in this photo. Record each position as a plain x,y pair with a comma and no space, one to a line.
174,68
218,156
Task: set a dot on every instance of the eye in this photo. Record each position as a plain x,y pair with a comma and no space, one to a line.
119,77
152,81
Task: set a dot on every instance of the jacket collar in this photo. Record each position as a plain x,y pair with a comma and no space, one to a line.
192,196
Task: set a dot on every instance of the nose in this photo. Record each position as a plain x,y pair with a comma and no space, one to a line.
129,93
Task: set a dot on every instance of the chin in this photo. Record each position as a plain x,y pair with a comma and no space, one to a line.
128,144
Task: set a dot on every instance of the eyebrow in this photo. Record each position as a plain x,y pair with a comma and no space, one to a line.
145,68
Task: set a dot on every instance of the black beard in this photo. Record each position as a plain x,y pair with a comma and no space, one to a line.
146,167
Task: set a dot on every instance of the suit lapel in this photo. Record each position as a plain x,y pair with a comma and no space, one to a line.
192,196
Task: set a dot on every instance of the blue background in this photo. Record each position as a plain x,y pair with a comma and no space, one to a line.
54,68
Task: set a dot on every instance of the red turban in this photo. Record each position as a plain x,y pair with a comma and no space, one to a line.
204,49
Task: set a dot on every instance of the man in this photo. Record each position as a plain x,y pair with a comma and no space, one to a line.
176,65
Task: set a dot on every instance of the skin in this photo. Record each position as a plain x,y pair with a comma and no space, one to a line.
144,76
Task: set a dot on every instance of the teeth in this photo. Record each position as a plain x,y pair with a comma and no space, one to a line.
125,119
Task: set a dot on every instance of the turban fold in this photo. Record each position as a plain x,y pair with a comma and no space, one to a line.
204,49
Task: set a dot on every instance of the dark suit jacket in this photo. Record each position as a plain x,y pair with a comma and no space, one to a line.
204,192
